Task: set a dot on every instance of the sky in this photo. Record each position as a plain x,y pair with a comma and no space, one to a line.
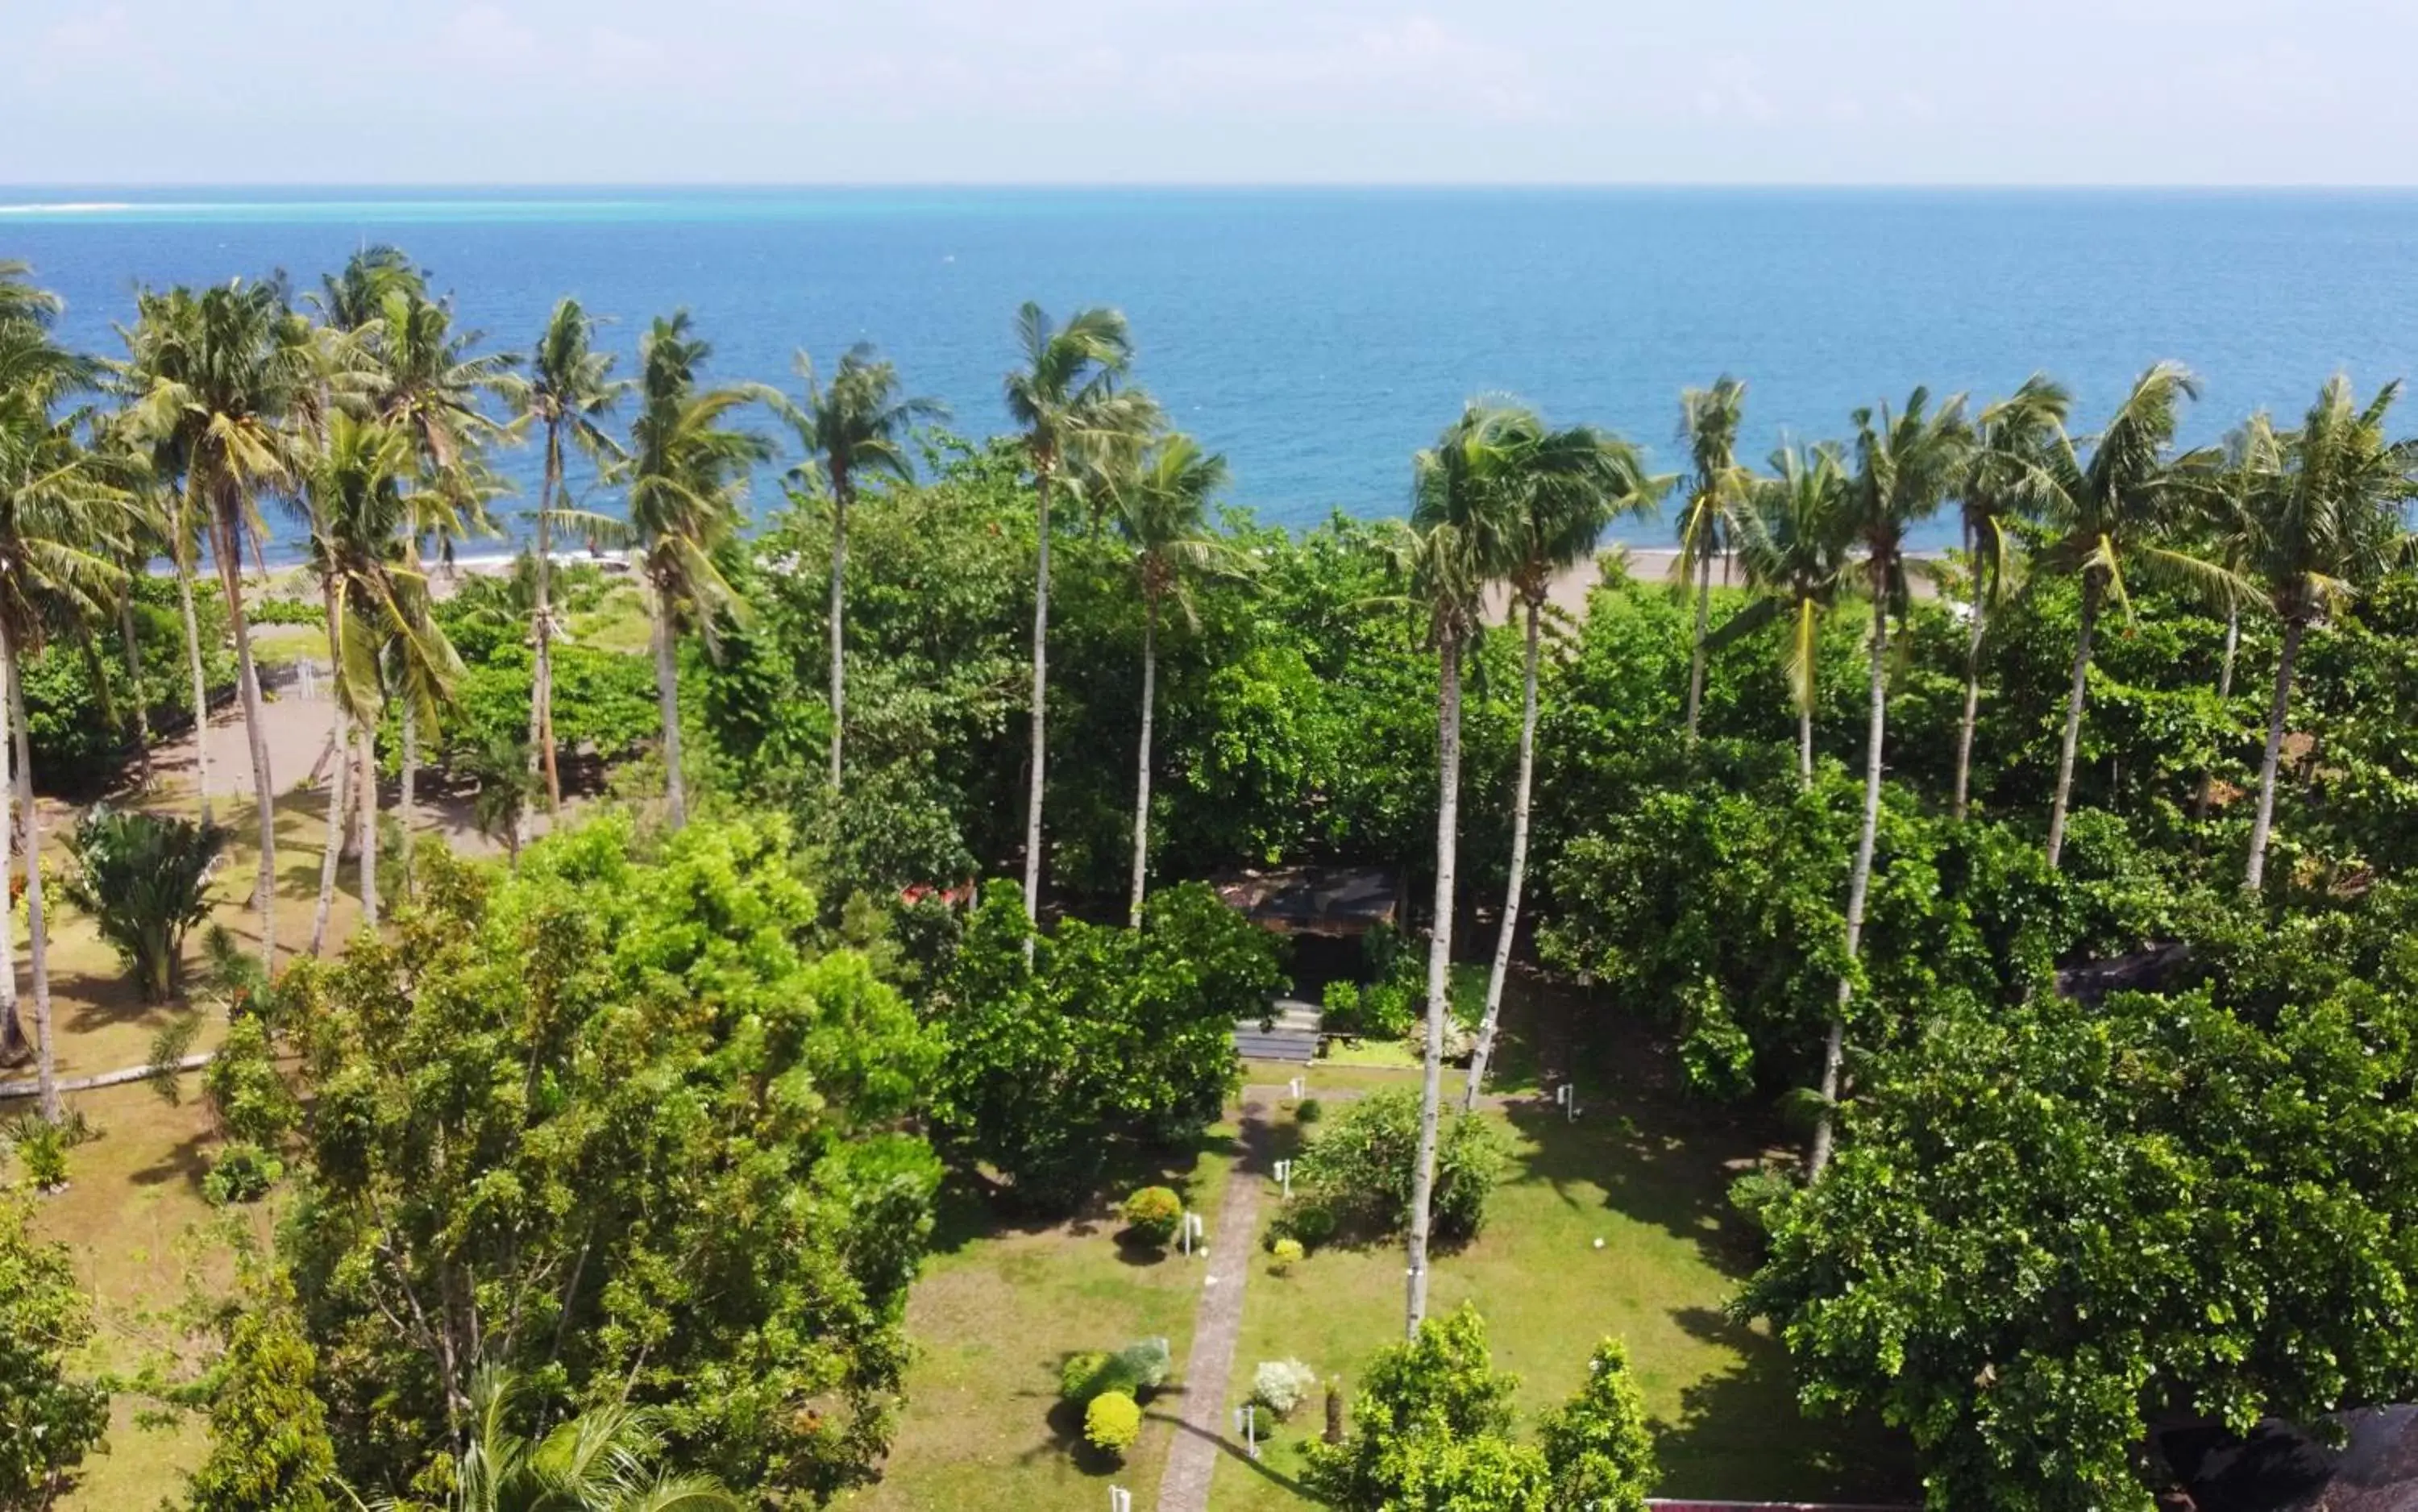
243,92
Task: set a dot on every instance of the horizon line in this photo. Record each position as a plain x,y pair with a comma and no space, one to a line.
1239,185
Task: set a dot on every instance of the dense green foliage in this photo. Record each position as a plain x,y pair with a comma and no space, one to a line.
49,1420
2053,1221
621,1124
1110,1035
1431,1430
1355,1171
269,1449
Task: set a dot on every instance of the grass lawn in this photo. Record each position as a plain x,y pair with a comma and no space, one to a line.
1649,1183
133,1207
999,1308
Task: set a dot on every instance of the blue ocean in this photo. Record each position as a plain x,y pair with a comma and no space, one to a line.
1318,336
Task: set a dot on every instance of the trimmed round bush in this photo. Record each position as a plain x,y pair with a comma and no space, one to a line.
1152,1214
1084,1376
1143,1365
1306,1219
1112,1422
1284,1255
1283,1385
1309,1111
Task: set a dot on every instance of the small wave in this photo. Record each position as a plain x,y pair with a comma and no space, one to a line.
69,208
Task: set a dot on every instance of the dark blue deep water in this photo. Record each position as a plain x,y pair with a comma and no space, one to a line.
1318,336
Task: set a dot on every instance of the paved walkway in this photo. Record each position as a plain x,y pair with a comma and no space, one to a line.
1203,1431
1201,1435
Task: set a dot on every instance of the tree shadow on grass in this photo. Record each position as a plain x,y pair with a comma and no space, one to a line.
102,1000
188,1160
1740,1436
1259,1467
972,1204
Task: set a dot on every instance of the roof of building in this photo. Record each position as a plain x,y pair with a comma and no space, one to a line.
2281,1468
1315,900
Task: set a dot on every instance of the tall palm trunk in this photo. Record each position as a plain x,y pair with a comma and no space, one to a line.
406,800
37,939
2262,826
2073,719
193,655
340,793
226,544
1696,657
1142,762
1520,789
135,681
1859,882
14,1047
2223,695
668,705
1972,690
339,784
1040,698
840,489
366,734
1439,972
541,755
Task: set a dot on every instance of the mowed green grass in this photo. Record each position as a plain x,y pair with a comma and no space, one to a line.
999,1308
1651,1186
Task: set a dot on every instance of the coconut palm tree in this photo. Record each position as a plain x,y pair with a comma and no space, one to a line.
2126,510
2013,436
2329,525
428,383
602,1460
1564,488
355,299
62,531
376,598
1906,465
687,476
1709,423
567,393
1793,537
2254,461
1465,533
1066,396
218,374
180,525
857,424
1161,509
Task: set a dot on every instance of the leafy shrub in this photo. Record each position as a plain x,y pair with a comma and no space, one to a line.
242,1173
1085,1375
1598,1444
275,611
1283,1255
1137,1370
1756,1194
1112,1422
1384,1009
1360,1169
1147,1363
41,1149
1152,1214
1283,1385
145,881
1305,1220
1309,1111
247,1091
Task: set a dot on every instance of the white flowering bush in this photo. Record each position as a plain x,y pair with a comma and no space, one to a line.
1281,1386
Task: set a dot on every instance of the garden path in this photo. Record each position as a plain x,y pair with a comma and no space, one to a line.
1200,1427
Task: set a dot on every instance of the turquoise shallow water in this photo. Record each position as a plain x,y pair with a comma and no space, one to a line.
1318,336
